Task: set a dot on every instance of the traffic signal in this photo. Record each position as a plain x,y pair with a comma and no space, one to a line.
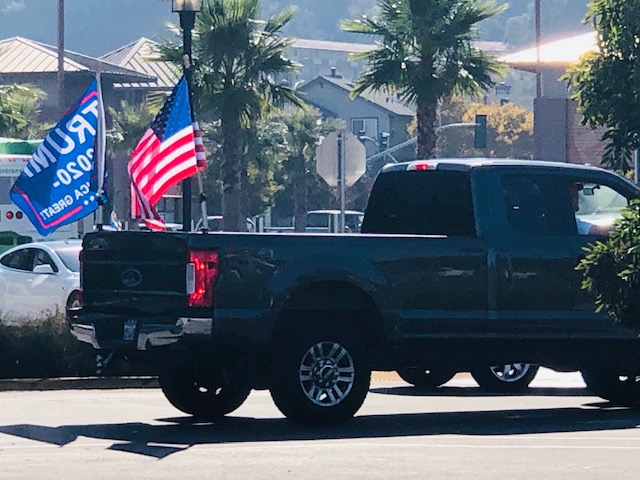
480,135
383,141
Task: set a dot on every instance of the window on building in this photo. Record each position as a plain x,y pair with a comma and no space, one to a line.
368,126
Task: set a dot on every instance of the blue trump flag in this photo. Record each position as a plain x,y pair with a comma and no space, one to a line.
60,184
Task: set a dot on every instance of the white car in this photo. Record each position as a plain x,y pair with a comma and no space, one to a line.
39,278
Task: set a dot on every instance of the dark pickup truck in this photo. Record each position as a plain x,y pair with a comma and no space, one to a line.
460,264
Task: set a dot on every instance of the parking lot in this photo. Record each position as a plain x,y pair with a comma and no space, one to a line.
556,430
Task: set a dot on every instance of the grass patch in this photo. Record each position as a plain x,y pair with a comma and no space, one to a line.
45,348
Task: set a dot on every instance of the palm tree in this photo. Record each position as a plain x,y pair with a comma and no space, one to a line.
128,124
305,129
426,55
19,110
237,61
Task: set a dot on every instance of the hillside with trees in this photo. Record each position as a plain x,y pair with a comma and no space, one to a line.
95,27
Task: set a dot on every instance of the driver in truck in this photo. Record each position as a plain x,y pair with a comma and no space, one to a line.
584,227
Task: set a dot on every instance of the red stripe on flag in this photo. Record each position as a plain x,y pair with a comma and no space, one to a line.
201,158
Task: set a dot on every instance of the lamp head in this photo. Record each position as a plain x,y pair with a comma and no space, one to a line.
186,5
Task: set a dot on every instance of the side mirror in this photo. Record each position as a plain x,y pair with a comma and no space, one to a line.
43,269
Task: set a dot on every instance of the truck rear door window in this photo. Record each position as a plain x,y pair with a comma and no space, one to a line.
436,202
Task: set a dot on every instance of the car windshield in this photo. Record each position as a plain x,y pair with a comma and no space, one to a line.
70,256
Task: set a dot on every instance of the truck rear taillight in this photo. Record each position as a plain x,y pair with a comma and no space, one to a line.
202,273
413,166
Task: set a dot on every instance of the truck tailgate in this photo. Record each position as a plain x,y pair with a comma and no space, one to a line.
134,272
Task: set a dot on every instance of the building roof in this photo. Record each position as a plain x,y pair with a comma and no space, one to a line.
142,56
559,53
21,55
490,47
388,102
494,48
332,46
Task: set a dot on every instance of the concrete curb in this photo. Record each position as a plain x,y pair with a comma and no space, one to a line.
106,383
77,383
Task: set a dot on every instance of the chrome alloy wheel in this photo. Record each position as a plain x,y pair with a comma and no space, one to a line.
510,372
327,373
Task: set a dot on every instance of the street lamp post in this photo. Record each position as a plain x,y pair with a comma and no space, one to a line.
187,11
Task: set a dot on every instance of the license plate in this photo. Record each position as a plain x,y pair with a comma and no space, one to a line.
129,331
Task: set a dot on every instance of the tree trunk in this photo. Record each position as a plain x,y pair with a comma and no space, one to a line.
299,193
245,187
233,217
426,114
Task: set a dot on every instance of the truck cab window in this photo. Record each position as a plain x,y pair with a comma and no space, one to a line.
524,204
596,206
557,205
421,203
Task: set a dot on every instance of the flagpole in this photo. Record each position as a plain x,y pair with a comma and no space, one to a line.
187,10
187,22
100,153
202,197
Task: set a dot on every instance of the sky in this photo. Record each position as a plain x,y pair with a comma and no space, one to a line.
92,27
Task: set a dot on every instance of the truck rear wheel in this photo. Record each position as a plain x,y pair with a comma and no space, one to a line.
612,386
207,396
507,378
322,375
425,377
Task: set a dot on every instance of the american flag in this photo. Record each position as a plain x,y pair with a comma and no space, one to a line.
201,158
165,155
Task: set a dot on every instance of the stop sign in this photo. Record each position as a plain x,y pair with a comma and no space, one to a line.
354,156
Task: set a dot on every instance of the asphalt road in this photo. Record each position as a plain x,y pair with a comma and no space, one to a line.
555,431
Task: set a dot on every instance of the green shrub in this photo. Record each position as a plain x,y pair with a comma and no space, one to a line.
46,349
611,269
43,349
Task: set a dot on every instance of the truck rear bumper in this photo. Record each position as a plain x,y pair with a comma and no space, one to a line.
104,331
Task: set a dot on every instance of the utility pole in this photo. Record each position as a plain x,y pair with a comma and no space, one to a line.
538,76
61,100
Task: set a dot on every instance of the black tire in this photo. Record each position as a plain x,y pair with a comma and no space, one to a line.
618,389
322,375
73,302
507,378
424,377
208,397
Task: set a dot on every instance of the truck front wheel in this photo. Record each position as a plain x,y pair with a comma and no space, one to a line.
207,396
612,386
322,375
